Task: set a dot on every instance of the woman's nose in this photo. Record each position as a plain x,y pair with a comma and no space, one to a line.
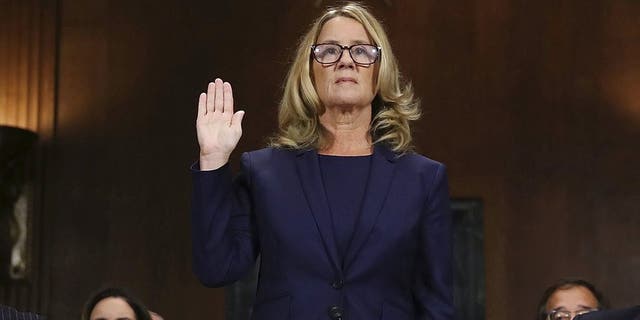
346,60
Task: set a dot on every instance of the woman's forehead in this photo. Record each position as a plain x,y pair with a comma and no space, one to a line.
343,29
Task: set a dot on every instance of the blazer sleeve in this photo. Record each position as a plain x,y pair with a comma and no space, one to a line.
224,239
435,286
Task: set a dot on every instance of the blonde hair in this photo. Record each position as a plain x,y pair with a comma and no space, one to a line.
392,108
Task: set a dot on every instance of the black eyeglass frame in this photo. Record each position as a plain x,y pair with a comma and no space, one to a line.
348,48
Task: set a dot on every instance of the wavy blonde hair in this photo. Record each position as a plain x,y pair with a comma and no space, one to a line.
393,106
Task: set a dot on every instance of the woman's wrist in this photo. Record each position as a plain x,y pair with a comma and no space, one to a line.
213,162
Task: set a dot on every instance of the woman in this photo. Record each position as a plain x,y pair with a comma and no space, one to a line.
348,222
114,304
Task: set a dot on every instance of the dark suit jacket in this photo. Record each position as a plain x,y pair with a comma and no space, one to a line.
632,313
8,313
398,265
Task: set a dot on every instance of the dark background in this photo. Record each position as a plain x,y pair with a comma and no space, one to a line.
533,105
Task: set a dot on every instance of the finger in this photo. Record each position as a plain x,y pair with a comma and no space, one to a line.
228,98
202,104
236,120
211,93
218,99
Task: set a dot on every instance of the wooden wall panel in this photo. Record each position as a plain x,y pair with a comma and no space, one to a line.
26,34
27,100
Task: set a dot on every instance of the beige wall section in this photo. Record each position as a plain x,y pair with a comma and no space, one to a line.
522,102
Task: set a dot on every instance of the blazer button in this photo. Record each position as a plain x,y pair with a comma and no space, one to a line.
338,284
335,313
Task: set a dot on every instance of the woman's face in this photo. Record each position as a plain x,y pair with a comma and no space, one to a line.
344,83
112,308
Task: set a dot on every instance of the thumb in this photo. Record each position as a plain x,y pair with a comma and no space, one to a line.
236,120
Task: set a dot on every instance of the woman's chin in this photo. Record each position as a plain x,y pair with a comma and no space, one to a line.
349,102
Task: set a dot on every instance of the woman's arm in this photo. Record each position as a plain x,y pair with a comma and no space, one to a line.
225,243
435,286
223,235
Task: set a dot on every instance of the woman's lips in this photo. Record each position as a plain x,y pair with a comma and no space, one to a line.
346,79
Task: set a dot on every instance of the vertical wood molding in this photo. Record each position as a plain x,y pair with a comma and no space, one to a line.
27,53
28,56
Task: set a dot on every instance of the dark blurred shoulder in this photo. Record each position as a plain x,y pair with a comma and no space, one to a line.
632,313
9,313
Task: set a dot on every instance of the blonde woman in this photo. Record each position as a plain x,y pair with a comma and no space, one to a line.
348,221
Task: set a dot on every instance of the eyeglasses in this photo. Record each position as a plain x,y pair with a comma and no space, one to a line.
566,315
362,54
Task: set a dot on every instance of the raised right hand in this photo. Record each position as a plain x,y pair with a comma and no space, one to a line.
218,127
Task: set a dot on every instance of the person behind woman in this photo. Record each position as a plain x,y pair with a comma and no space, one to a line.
9,313
569,298
348,221
114,304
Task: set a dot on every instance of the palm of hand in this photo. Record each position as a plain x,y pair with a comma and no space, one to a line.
218,127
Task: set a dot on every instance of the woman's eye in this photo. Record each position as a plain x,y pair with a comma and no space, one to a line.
330,51
360,51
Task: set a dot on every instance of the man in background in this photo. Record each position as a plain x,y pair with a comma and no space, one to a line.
570,298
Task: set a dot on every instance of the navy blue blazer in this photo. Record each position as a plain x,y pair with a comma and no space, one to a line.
398,263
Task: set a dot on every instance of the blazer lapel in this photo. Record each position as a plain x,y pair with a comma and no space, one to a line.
310,177
380,176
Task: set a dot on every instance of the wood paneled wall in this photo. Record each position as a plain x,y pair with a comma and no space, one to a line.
532,105
28,31
27,56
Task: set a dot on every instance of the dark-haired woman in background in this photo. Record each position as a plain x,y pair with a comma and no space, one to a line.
114,304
